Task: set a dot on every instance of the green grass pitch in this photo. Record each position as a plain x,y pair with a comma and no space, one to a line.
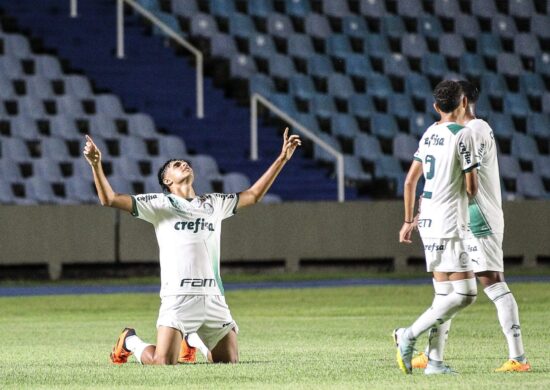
323,338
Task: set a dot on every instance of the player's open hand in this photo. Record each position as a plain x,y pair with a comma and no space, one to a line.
92,152
406,232
289,145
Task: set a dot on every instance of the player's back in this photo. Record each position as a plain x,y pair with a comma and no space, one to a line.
486,209
445,151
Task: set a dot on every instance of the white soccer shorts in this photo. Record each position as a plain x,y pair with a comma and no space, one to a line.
486,253
446,255
208,315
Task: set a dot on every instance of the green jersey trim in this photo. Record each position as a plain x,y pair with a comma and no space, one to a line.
427,194
470,169
455,128
417,159
134,211
478,222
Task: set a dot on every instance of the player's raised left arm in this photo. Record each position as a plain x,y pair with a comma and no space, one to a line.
256,192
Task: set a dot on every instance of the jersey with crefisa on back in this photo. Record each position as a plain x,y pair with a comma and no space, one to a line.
188,234
446,151
485,209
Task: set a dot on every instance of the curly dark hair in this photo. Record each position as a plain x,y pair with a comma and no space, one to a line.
447,95
162,171
471,91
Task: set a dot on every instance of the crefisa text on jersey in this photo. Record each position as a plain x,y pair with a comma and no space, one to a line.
194,226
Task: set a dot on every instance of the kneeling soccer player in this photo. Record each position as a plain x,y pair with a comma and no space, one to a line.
187,227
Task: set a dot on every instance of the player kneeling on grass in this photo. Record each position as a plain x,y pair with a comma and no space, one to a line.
187,227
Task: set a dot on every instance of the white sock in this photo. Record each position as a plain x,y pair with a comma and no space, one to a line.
508,316
136,345
463,294
194,340
437,337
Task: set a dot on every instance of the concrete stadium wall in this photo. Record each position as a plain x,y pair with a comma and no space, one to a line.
292,236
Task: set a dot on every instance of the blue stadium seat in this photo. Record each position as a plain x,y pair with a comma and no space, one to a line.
396,65
516,104
169,20
340,86
6,88
9,169
40,87
393,26
361,106
31,106
110,105
486,8
546,102
429,26
447,8
64,127
121,184
338,45
260,8
483,106
11,67
48,66
103,126
186,8
262,84
309,122
300,46
502,125
524,147
434,64
6,193
493,84
323,106
532,84
171,146
379,85
302,86
419,122
372,8
320,65
354,26
508,166
78,86
358,65
224,8
539,25
142,125
279,25
400,105
47,169
205,166
54,149
526,45
223,45
451,45
242,26
126,166
410,8
388,167
344,125
283,103
321,154
418,85
204,25
336,9
367,147
298,8
71,106
489,45
242,66
503,25
262,46
466,26
271,199
521,8
14,149
151,5
413,45
472,65
25,127
353,169
383,126
376,45
509,64
538,125
542,64
542,166
133,147
40,190
317,26
281,66
404,147
235,182
17,46
530,186
80,190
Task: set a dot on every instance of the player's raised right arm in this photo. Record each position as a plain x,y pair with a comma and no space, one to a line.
106,195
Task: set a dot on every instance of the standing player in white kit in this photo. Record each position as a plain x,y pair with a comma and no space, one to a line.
484,241
187,227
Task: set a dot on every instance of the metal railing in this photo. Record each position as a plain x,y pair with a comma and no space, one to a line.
339,157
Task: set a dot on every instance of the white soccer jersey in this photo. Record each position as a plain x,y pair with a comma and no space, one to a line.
486,215
446,151
188,235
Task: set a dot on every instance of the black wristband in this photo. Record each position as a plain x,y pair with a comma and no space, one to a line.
408,221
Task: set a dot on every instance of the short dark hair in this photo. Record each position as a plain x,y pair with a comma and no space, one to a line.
162,171
471,91
447,95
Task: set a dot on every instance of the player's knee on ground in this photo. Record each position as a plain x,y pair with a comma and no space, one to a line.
165,360
466,290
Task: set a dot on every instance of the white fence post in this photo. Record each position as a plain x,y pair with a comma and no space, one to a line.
120,29
255,98
74,8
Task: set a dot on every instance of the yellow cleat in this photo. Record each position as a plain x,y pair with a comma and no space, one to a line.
420,360
514,366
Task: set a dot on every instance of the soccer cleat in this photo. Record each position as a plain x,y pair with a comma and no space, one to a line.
188,354
420,360
405,349
514,366
439,370
120,353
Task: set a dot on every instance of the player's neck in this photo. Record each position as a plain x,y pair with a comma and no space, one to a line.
185,191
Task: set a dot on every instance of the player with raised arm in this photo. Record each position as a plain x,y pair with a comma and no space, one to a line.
187,227
484,239
446,158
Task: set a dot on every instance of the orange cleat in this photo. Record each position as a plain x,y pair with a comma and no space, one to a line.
188,354
420,360
514,366
120,353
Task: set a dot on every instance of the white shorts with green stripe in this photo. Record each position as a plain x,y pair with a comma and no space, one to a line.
486,253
